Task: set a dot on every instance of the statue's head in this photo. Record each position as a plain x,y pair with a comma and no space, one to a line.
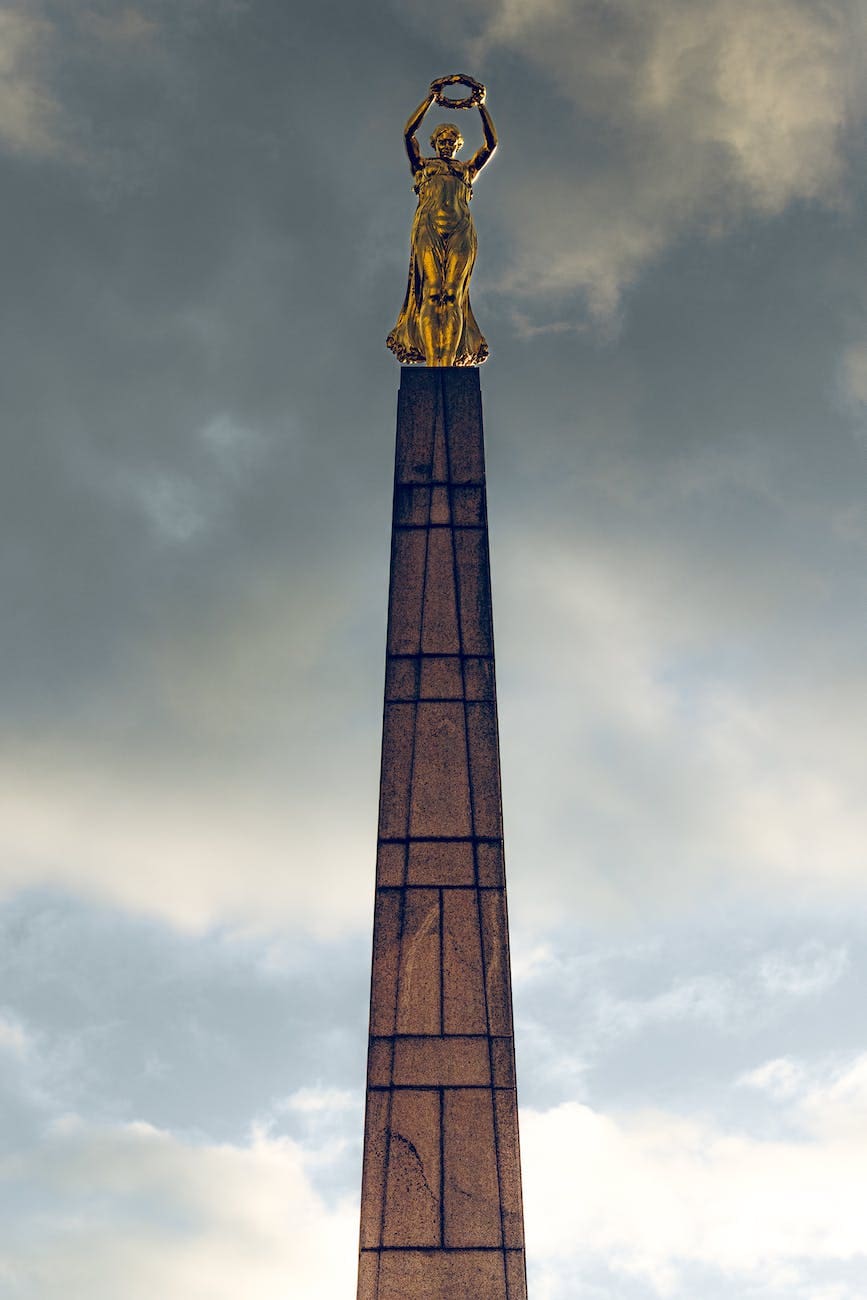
446,139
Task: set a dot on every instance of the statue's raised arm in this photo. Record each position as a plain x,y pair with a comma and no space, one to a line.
436,324
483,155
413,123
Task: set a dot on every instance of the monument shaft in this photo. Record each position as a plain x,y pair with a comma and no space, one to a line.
441,1215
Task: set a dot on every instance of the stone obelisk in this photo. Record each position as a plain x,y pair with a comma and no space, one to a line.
441,1215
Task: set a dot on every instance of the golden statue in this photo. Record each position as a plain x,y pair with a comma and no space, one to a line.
436,324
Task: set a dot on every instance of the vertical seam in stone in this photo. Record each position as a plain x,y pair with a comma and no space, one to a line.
482,946
441,412
388,1107
379,1256
486,556
402,908
417,686
442,1166
442,966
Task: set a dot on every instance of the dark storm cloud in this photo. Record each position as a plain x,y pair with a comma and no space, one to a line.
192,440
205,241
193,401
175,264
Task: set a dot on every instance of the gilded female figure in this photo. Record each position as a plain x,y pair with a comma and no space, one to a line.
436,324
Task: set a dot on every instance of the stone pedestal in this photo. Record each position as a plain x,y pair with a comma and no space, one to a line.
441,1215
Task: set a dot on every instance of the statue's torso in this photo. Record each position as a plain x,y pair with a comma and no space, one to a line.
444,188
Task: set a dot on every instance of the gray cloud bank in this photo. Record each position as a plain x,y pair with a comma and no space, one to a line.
204,225
197,1108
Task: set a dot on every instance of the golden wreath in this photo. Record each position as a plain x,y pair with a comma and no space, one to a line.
472,100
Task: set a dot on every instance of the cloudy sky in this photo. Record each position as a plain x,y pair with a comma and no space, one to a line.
204,236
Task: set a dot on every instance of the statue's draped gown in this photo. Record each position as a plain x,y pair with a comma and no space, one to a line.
442,232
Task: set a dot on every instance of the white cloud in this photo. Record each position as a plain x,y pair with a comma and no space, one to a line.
42,46
853,377
315,1100
28,111
810,971
646,1196
654,1193
567,1001
133,1210
781,1078
825,1098
836,1103
706,998
14,1038
708,113
193,851
655,750
533,962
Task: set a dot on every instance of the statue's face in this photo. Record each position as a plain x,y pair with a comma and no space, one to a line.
447,143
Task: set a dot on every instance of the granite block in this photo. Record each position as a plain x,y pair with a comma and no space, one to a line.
506,1121
440,505
379,1054
484,769
442,1275
439,629
440,862
412,505
470,1186
386,957
442,1062
398,730
368,1275
441,679
516,1275
503,1062
401,678
474,591
409,550
463,975
496,948
468,506
412,1200
373,1170
479,679
390,864
419,993
489,856
440,803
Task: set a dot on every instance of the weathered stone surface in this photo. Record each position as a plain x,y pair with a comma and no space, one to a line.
472,1194
440,1275
386,955
441,1211
419,997
440,803
441,862
464,1010
413,1211
442,1062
